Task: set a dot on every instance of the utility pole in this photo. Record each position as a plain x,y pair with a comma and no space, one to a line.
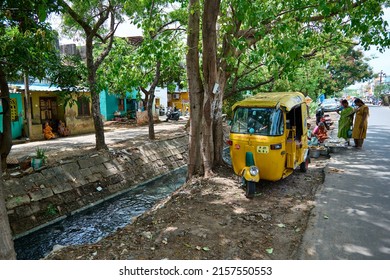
28,105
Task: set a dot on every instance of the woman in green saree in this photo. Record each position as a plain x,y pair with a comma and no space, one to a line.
345,121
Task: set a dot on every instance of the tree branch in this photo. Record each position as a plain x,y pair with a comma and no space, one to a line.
252,87
75,16
110,37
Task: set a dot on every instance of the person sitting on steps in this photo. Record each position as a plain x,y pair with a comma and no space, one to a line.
62,129
48,131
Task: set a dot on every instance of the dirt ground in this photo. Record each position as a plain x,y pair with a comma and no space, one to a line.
212,219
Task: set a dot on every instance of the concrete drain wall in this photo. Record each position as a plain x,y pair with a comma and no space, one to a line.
55,192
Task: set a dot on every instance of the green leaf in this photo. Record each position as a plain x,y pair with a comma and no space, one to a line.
281,225
206,249
42,13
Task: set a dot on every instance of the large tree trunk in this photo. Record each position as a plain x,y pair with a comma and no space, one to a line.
152,135
97,119
209,38
224,73
195,88
7,251
218,122
151,99
6,135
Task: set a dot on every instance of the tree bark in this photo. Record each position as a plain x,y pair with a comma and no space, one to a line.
97,119
209,39
7,251
218,122
6,135
195,88
151,99
223,76
152,135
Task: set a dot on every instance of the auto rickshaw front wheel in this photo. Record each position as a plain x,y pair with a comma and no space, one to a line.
250,189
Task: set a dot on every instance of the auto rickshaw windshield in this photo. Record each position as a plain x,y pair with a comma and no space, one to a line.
261,121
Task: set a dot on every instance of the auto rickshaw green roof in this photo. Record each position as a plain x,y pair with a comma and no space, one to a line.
287,100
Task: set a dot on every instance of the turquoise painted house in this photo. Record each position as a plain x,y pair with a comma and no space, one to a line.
17,115
111,105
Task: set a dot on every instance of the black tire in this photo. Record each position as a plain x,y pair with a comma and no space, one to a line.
304,166
177,117
250,189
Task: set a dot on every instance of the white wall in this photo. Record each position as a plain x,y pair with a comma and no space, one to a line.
162,93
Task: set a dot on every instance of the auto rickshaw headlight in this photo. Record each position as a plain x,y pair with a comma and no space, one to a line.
253,170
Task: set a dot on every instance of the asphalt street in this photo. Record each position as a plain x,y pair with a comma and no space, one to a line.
351,219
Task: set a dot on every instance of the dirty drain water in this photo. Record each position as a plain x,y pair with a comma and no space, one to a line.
99,221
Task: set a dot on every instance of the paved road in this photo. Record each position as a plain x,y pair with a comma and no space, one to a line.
88,140
351,219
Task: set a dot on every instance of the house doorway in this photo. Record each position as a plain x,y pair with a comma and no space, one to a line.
48,111
131,106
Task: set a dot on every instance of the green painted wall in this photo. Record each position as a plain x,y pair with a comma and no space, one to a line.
17,124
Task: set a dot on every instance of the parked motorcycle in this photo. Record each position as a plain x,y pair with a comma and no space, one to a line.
173,115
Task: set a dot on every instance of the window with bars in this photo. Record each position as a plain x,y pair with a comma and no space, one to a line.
14,109
48,108
83,104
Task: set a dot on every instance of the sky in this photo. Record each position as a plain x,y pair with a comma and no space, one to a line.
381,62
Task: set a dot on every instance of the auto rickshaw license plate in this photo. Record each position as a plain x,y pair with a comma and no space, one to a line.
263,149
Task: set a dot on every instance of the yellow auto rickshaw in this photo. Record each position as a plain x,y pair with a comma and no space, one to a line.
268,137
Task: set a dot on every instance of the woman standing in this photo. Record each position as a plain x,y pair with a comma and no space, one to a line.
361,122
345,121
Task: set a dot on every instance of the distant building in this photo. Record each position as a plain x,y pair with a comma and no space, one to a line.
72,49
